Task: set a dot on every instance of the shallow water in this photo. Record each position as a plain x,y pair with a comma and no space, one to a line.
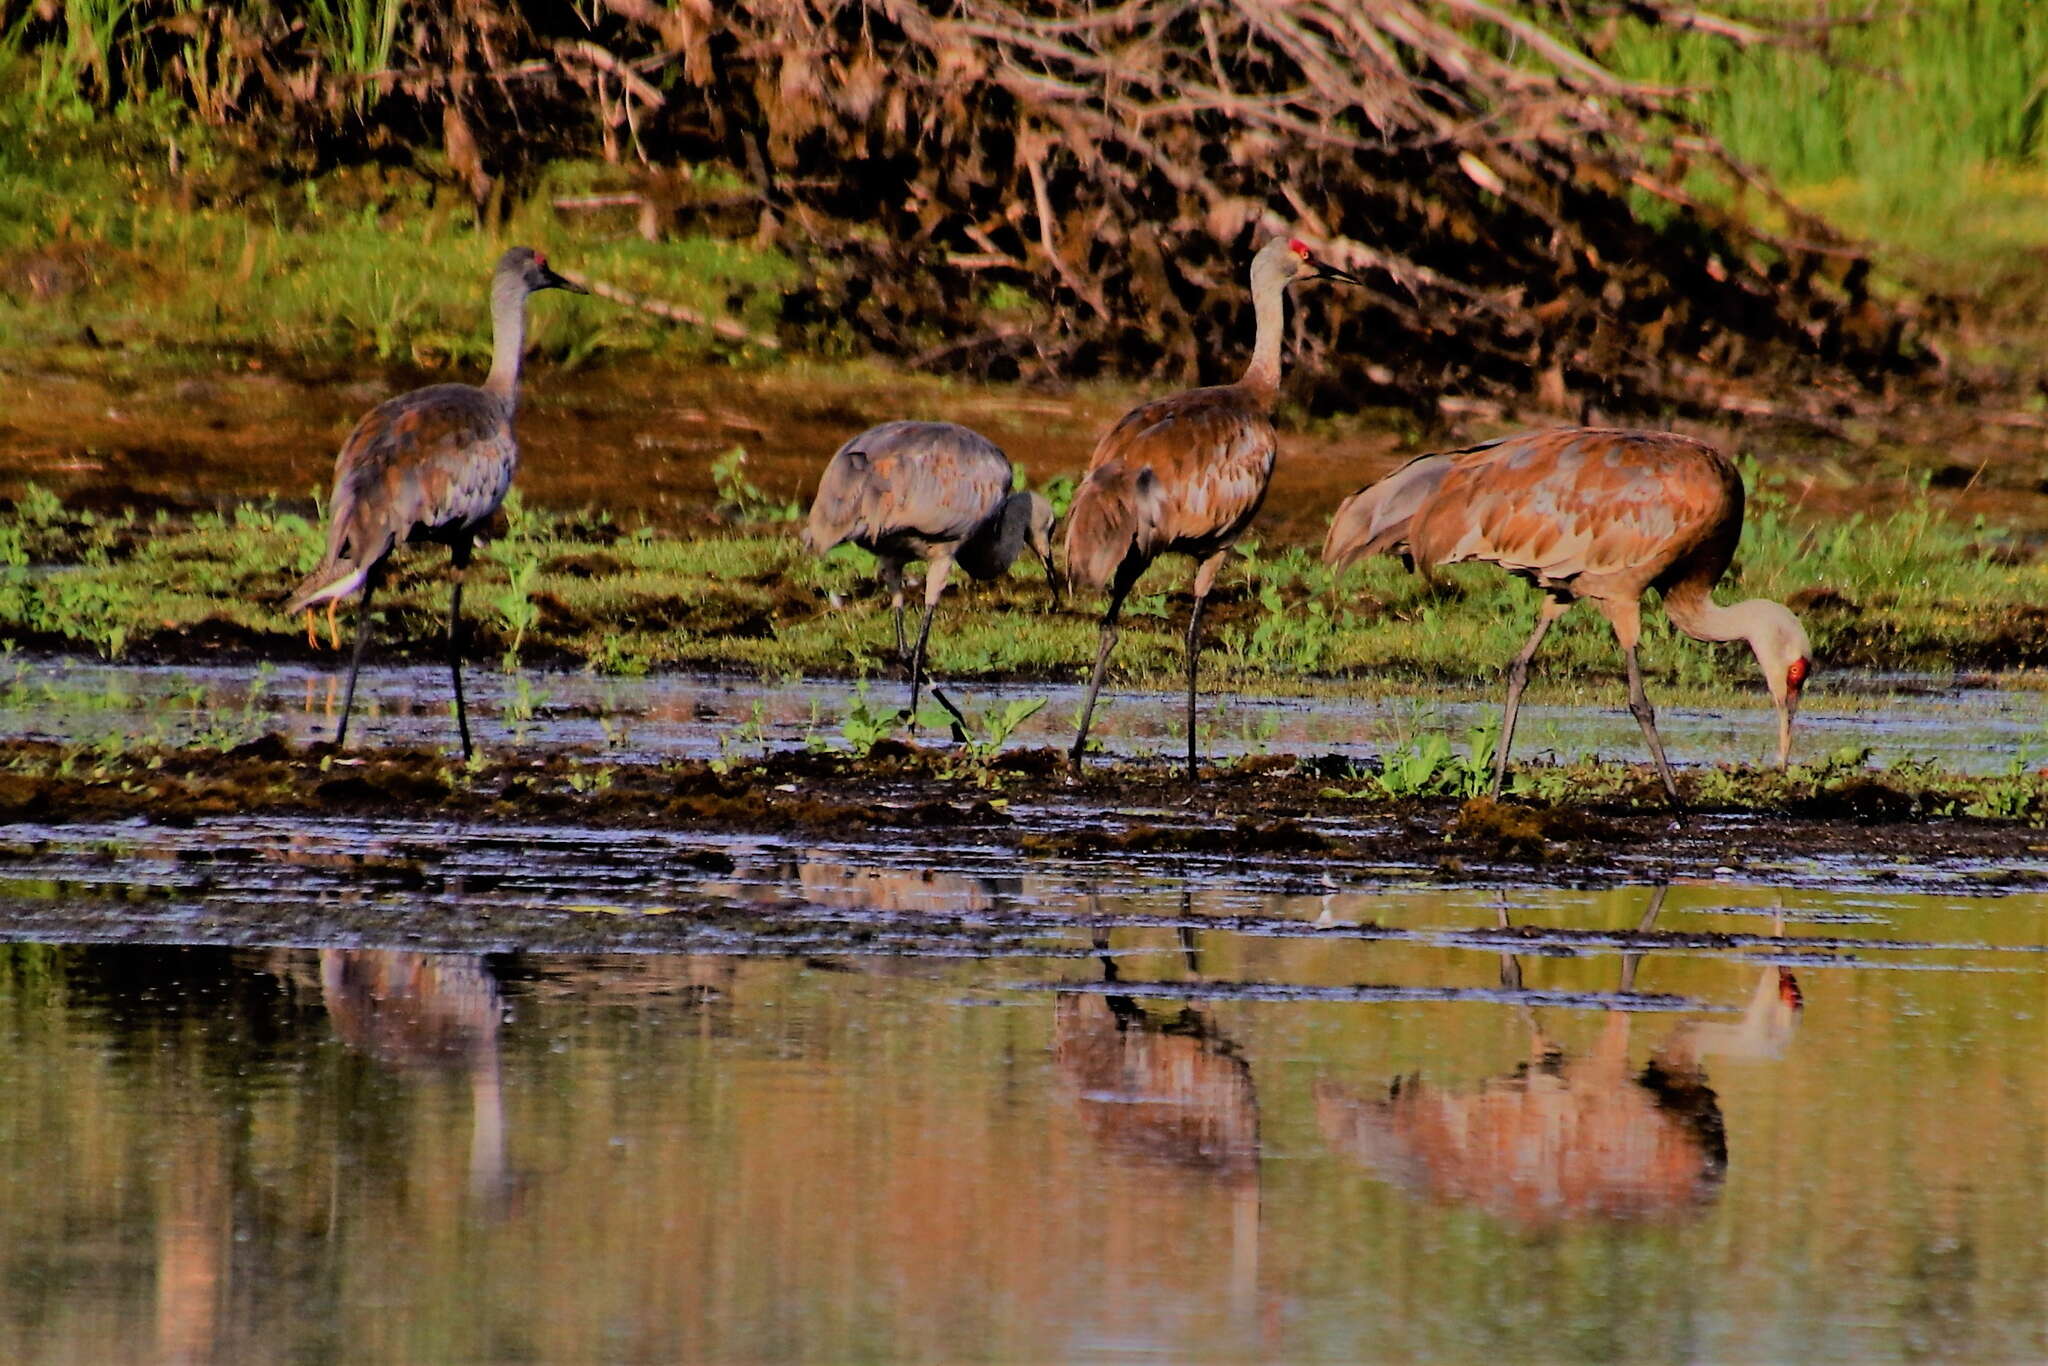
748,1099
1971,727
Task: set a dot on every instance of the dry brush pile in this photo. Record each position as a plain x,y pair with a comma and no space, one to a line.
1529,222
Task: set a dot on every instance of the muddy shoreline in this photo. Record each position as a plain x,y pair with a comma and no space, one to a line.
1309,819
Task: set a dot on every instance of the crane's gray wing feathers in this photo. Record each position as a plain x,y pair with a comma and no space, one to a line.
929,481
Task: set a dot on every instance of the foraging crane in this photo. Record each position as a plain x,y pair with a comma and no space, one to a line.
1587,513
931,491
431,465
1185,475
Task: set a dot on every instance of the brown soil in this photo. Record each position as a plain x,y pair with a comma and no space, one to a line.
1272,810
640,442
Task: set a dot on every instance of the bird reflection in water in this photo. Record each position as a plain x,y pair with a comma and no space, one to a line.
1564,1140
846,886
1168,1092
429,1012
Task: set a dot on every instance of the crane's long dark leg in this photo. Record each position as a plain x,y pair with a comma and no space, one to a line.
459,556
1646,717
1205,579
1626,617
355,664
1102,649
890,572
1547,612
936,571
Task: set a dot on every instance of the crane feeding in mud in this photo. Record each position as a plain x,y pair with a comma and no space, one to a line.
931,491
431,465
1587,513
1185,474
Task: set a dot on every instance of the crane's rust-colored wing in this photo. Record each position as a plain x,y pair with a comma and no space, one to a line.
1185,473
1572,503
934,482
433,460
1376,518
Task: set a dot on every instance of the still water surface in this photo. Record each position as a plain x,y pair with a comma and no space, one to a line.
927,1112
1973,725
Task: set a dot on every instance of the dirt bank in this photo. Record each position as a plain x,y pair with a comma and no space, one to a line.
1303,816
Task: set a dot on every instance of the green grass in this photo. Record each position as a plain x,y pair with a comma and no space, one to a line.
362,264
1928,129
1906,590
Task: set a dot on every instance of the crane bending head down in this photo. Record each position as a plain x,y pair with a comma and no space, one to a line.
1594,513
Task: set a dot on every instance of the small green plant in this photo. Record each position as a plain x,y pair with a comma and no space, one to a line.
740,498
864,726
1059,491
990,729
523,705
516,605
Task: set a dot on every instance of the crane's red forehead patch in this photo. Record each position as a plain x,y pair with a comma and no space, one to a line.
540,258
1299,248
1795,673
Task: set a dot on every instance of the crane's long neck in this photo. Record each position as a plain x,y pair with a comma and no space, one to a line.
997,543
508,337
1692,609
1269,307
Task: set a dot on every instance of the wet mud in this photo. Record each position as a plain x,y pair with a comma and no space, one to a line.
1296,818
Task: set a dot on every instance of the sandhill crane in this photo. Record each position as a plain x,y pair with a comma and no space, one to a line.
1587,513
1169,1093
1562,1139
931,491
428,1012
431,465
1185,475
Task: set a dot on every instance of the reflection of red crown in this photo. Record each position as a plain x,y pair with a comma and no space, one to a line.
1788,990
1299,248
1796,674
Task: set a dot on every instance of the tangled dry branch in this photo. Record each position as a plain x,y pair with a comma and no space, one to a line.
1530,222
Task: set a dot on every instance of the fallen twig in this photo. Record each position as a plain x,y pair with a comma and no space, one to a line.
661,308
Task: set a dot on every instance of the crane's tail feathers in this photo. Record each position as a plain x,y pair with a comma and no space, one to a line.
329,583
1102,529
1376,518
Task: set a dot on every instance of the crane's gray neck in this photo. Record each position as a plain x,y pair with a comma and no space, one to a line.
997,542
1269,307
508,336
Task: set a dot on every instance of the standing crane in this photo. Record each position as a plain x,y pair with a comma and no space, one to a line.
1185,474
1587,513
431,465
931,491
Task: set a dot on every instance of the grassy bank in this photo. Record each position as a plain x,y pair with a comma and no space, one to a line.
138,227
1924,128
1906,590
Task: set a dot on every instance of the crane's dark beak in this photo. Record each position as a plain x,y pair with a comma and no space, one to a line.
1326,271
550,280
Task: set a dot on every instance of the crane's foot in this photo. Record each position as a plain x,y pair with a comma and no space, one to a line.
333,627
312,637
